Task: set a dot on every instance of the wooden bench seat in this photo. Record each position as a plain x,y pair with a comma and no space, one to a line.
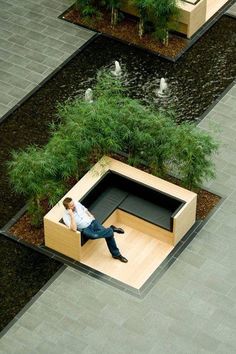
141,199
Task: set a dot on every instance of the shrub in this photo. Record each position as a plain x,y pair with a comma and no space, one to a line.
113,122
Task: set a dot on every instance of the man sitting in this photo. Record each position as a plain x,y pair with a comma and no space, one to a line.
77,217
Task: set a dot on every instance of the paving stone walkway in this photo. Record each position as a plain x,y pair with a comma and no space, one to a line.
33,43
192,309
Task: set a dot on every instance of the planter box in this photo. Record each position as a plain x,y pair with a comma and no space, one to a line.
118,193
192,16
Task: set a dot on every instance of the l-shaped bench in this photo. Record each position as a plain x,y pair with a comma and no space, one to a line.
115,191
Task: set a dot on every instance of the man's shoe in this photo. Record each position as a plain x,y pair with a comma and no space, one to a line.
119,230
121,258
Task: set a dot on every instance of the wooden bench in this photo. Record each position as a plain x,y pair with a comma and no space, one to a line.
113,190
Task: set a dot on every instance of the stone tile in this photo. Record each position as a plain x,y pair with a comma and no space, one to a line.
35,56
54,53
6,5
69,325
3,109
45,312
4,65
50,12
19,20
6,99
50,332
69,48
52,42
197,289
52,32
34,77
17,10
8,345
13,103
69,343
226,335
190,257
5,44
4,54
225,317
218,284
221,188
53,4
47,347
36,26
211,249
52,62
4,87
35,36
5,34
201,307
18,29
18,60
35,45
232,293
38,68
29,321
19,71
34,15
225,348
27,337
18,50
51,22
207,342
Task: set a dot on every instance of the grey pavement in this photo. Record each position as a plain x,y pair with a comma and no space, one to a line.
192,308
33,43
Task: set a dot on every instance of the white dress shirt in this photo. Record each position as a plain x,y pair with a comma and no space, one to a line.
82,218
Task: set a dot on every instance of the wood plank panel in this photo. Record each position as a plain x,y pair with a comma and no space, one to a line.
144,252
213,6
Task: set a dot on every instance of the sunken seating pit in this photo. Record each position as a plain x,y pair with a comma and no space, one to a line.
114,192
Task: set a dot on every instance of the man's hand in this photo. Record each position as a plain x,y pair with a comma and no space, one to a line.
72,223
70,211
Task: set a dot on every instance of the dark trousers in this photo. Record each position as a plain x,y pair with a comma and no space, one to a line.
95,230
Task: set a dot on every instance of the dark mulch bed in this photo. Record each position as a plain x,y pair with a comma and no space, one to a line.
127,31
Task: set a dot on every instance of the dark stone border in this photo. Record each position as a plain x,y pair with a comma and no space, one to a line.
190,43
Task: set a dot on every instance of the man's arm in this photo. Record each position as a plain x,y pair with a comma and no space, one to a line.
73,226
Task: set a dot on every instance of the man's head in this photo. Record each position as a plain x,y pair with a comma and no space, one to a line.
68,203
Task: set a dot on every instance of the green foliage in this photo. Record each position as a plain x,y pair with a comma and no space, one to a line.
159,13
87,8
113,122
193,155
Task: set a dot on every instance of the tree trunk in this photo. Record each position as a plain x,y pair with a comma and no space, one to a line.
141,27
166,39
114,16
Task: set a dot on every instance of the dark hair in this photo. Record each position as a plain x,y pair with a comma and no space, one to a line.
66,202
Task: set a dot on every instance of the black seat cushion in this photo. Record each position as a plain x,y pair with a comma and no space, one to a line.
106,203
147,210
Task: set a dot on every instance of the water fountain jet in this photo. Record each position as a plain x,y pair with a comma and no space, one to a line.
163,88
117,71
88,96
